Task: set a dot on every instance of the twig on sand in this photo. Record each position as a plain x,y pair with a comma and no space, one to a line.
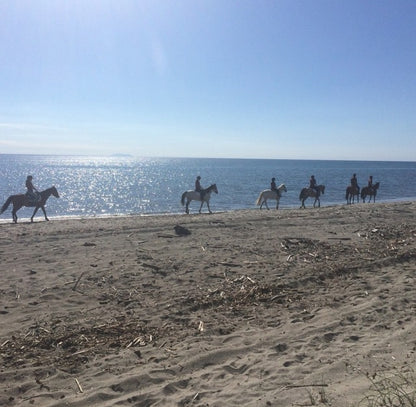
296,386
79,386
77,282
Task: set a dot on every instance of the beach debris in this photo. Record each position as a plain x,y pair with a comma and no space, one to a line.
181,230
151,266
79,386
166,235
89,244
77,282
298,386
201,326
140,341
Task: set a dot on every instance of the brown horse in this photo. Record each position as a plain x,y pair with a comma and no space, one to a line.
351,193
22,200
311,193
370,191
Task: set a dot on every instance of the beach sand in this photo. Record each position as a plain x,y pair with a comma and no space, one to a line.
245,308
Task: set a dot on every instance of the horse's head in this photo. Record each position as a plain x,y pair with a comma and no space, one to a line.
376,185
282,188
322,188
55,192
213,187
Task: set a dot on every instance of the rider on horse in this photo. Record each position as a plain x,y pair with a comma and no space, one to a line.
313,185
198,187
354,183
32,193
273,186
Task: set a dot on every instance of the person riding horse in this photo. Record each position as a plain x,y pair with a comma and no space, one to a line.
273,186
354,183
313,185
198,187
32,193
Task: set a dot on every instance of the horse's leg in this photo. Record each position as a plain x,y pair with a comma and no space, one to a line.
209,209
200,208
14,213
187,206
44,212
277,204
265,202
34,213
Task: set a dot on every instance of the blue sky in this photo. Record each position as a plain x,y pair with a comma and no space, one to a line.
307,79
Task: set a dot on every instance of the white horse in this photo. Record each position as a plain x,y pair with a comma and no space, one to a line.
196,196
270,194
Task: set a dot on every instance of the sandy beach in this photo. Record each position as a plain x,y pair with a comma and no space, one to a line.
246,308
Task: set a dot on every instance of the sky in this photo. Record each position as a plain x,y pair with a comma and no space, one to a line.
278,79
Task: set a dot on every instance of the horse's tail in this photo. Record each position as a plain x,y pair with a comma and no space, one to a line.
258,202
301,194
183,198
6,204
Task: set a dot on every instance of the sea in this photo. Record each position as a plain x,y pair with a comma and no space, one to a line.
124,185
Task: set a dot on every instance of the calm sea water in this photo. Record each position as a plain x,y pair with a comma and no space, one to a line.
91,186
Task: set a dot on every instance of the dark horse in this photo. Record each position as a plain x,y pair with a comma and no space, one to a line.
370,191
22,200
311,193
351,193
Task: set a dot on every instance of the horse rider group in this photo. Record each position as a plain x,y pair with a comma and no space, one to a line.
312,184
354,183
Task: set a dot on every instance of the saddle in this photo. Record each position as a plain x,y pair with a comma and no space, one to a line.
32,199
314,191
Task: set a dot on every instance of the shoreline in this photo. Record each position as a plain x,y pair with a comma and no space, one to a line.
39,216
246,307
